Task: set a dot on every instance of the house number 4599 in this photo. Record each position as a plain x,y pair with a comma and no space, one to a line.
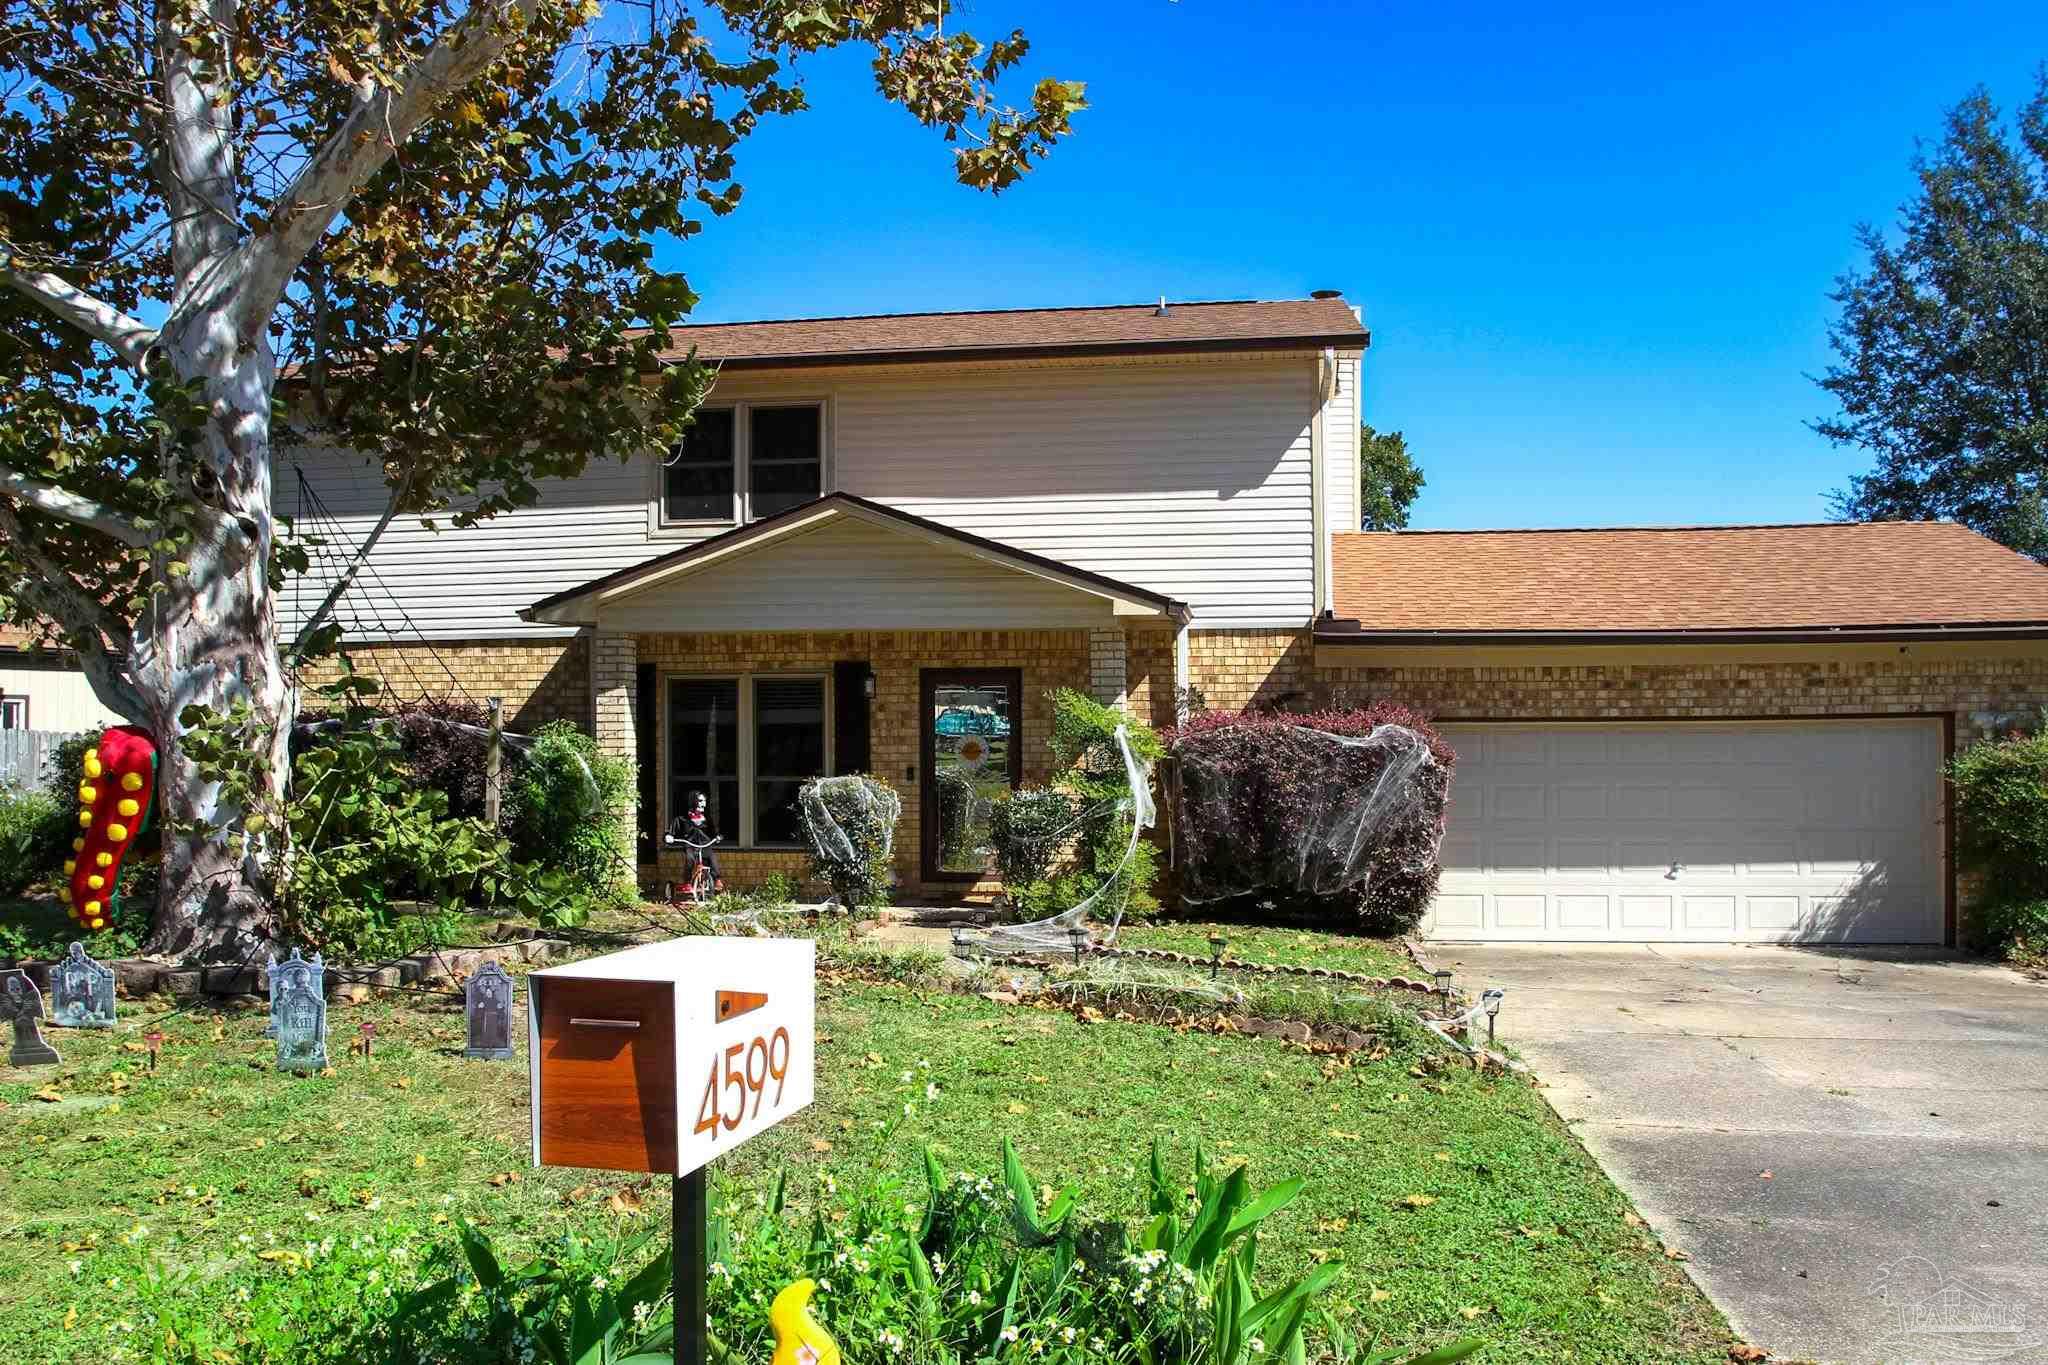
765,1060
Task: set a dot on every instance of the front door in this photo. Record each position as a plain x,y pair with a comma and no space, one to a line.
973,752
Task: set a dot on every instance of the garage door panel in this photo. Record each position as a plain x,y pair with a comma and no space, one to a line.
1719,831
1646,915
1584,914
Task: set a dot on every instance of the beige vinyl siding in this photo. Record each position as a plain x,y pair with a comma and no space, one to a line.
58,699
852,576
1190,478
1340,444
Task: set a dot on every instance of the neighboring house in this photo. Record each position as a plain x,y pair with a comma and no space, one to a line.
887,538
44,689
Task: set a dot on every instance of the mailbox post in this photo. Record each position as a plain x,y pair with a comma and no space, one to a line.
661,1057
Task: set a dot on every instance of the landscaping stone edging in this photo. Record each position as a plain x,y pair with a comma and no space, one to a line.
135,977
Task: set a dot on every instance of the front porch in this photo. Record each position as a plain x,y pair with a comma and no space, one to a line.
842,637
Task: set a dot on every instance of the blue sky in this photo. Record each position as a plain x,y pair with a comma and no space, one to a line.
1593,245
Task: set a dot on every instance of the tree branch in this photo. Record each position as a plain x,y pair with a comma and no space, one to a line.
368,138
58,595
72,507
128,338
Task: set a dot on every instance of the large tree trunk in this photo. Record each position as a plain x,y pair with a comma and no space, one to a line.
209,638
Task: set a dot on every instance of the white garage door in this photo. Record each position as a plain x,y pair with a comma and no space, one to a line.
1754,832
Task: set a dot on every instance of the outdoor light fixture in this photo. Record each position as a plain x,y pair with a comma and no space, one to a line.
1078,936
1219,943
1443,985
1492,1001
867,687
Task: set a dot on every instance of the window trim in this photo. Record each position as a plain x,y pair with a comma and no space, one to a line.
658,524
10,699
744,840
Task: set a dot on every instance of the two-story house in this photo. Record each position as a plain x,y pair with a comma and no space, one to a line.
887,539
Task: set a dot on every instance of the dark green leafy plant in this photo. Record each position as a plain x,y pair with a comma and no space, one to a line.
2001,802
1093,774
849,826
562,811
34,832
1029,828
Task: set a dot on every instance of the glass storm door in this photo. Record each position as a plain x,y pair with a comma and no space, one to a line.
973,753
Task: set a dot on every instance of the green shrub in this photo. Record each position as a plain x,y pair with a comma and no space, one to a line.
1093,774
562,811
849,825
2001,802
1029,828
35,832
953,789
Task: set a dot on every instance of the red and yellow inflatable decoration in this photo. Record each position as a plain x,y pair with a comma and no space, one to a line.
114,803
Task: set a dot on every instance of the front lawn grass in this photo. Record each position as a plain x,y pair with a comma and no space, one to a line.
1262,943
1458,1202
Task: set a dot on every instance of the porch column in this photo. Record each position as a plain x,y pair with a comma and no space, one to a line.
613,659
1108,679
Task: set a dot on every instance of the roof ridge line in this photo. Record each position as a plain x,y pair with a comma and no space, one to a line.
988,312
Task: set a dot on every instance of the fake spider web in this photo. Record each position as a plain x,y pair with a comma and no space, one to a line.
1359,807
1055,932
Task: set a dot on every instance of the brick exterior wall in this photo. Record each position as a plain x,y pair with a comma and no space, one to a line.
1148,673
1981,691
1048,659
539,680
1235,669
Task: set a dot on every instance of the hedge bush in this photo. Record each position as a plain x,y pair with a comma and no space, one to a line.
562,796
2001,796
849,824
35,832
1029,827
1277,816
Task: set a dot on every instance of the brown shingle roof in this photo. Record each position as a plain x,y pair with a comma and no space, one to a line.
1283,324
1865,577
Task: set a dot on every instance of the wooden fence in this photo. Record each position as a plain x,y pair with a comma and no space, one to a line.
23,754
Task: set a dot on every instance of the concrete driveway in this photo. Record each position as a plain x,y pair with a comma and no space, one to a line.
1851,1144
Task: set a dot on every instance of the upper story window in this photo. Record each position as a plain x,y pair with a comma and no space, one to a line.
745,462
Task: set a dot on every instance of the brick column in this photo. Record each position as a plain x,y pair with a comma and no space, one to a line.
1108,680
612,695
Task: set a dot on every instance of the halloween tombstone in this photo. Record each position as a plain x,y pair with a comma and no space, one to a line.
301,1027
81,992
21,1004
293,971
487,1004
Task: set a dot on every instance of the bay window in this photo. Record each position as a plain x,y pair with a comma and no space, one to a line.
748,744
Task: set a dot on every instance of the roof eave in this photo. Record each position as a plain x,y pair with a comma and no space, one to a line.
1341,633
1359,340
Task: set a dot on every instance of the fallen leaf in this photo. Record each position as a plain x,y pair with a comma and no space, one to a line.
1417,1201
1674,1254
820,1145
624,1203
1632,1220
504,1178
71,1318
1470,1313
1763,1175
1348,1137
419,1160
402,1083
1016,1108
1443,1156
1381,1295
48,1095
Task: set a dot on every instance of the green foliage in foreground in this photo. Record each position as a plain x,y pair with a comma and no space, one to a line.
2001,797
216,1159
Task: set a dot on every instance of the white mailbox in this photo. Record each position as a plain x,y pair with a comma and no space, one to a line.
661,1057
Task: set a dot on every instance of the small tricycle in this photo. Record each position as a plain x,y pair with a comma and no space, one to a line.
700,882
